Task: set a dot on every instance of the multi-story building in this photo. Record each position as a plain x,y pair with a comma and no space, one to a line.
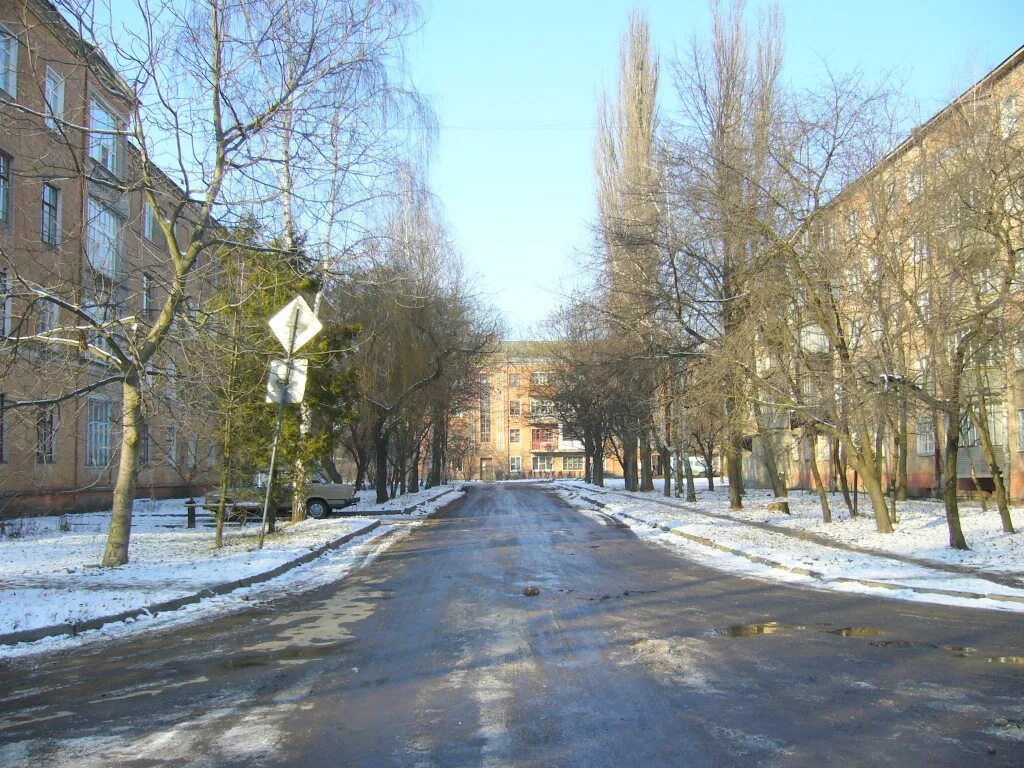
77,235
514,432
926,251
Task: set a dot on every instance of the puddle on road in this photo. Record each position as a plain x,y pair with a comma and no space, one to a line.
775,627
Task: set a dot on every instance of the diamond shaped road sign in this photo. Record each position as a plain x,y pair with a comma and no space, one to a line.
295,325
287,380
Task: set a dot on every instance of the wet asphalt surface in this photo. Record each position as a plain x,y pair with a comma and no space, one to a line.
630,655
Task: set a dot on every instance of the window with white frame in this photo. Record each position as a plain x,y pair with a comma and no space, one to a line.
539,378
915,183
485,410
192,452
146,296
148,222
514,380
46,434
1009,116
104,238
1018,352
8,62
54,97
996,422
1020,429
515,463
542,408
47,317
171,444
924,303
6,189
49,215
918,247
925,437
513,408
99,415
103,141
543,463
852,225
572,464
513,435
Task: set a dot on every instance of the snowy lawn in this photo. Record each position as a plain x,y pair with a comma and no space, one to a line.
49,572
921,533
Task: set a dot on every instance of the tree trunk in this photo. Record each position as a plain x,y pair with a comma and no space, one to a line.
780,489
902,445
988,451
629,463
437,441
299,477
380,444
414,472
867,463
709,466
949,497
666,469
734,469
826,512
646,462
598,468
840,471
116,552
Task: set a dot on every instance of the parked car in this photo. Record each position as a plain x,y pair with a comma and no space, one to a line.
322,496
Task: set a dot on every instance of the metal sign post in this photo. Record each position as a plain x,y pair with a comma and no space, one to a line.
294,326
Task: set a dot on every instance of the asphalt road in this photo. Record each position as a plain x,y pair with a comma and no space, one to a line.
630,656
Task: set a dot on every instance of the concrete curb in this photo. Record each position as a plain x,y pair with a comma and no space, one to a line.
74,628
703,541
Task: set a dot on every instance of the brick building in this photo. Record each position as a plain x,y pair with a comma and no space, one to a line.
77,235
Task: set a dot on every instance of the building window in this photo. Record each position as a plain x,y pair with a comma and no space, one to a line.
103,239
48,317
145,445
46,434
148,222
924,303
544,439
539,378
54,95
3,428
97,433
514,380
925,438
50,215
918,247
192,453
513,408
915,184
5,189
852,225
1009,116
103,124
146,296
171,446
513,435
543,463
1020,427
515,463
8,62
485,410
572,464
5,304
541,408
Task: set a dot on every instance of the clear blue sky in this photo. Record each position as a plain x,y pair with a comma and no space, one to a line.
515,87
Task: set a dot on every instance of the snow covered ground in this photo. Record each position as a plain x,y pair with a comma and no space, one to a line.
49,572
920,534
